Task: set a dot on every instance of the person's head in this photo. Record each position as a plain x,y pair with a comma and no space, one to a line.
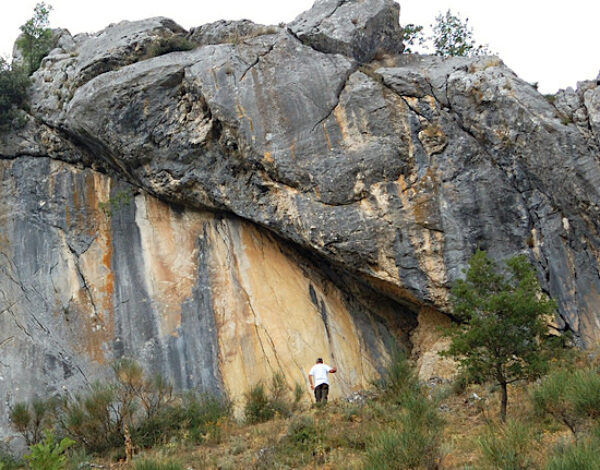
319,360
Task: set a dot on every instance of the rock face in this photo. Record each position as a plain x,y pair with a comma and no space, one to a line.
92,270
356,28
276,194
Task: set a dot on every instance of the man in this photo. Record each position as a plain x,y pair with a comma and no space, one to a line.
319,381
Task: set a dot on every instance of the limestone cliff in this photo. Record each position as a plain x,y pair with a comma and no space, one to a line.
274,194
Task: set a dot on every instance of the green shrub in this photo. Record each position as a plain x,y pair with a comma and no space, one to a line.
260,407
171,44
415,445
302,432
13,94
48,454
203,414
29,419
279,400
507,447
298,394
400,450
194,416
570,397
398,382
115,203
97,417
153,464
146,407
93,419
20,419
579,456
36,40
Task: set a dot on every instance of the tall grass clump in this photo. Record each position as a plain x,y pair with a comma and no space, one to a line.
153,464
398,382
263,406
413,438
572,397
506,447
577,456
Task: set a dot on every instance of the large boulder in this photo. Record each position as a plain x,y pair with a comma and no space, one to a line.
361,29
224,212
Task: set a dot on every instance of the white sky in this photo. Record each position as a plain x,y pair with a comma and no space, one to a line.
553,42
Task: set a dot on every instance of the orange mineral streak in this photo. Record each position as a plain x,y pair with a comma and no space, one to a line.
339,114
419,202
169,247
95,266
266,320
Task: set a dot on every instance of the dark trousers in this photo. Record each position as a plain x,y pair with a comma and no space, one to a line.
321,392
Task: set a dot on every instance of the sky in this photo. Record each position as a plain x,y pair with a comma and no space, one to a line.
551,42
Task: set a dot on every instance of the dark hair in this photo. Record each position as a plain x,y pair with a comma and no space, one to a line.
319,359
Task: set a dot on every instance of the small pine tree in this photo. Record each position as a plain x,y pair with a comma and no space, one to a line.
36,39
49,454
13,93
501,335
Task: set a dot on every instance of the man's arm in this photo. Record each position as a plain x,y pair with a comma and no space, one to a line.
333,370
312,387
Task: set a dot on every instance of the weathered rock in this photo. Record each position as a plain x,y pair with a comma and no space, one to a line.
356,28
233,32
345,201
92,270
79,59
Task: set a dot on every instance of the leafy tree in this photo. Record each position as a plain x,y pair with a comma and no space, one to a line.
412,35
36,40
502,332
453,37
13,88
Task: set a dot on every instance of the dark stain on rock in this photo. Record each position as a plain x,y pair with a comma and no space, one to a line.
313,295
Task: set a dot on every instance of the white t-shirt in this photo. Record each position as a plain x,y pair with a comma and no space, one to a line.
319,373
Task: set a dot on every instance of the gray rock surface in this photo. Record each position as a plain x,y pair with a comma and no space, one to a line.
233,32
84,281
387,174
360,29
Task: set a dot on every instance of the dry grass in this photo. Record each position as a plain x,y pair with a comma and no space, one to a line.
343,433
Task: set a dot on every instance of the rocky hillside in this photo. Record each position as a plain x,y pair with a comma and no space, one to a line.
275,194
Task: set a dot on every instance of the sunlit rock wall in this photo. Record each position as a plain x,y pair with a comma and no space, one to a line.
91,271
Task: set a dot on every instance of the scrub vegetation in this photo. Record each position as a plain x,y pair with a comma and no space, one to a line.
137,419
398,424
